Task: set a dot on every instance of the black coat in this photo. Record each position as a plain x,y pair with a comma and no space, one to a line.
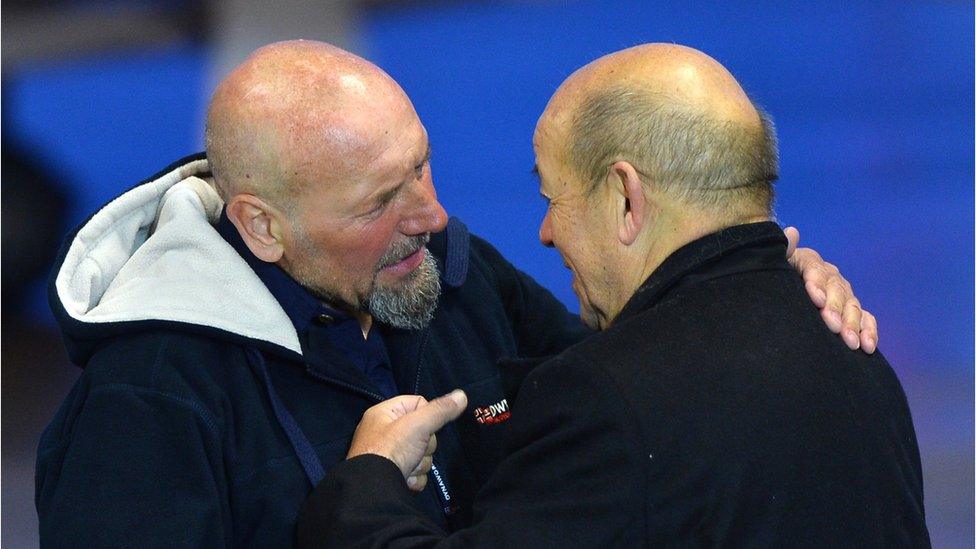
717,410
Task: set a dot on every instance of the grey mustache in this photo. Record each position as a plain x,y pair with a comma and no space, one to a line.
402,249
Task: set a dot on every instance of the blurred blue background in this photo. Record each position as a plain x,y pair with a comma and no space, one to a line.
873,103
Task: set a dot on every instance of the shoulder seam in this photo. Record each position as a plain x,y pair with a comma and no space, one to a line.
207,418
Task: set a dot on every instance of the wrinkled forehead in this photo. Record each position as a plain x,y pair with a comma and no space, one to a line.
393,142
367,150
350,135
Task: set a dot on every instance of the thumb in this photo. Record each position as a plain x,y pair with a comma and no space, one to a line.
440,411
793,239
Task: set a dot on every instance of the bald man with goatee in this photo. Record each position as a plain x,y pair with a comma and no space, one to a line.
237,313
713,408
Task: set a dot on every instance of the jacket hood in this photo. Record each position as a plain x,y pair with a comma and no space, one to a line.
152,258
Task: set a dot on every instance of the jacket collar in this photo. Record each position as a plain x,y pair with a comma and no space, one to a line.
741,248
299,304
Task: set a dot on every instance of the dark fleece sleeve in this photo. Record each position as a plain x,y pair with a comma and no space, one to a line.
138,467
572,476
543,326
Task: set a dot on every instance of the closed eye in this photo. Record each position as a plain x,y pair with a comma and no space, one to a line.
383,201
419,168
376,211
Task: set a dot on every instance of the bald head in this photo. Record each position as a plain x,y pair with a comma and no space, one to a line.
677,115
295,113
683,76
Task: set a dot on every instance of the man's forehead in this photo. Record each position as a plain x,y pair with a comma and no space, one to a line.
549,143
385,164
395,144
351,139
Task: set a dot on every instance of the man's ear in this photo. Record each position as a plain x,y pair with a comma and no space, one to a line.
257,223
630,202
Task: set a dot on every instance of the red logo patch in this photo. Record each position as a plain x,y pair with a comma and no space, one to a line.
490,415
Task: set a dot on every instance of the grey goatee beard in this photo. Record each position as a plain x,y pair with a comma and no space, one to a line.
411,305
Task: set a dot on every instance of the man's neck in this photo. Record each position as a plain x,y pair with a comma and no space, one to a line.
365,322
681,230
668,236
365,319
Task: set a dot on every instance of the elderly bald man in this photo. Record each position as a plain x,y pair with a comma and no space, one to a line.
713,409
236,318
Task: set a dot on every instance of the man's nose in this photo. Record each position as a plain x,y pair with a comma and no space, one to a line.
545,231
426,214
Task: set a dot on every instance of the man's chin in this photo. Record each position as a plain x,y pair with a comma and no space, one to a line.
408,301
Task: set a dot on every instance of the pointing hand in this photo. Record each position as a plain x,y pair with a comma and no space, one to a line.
402,429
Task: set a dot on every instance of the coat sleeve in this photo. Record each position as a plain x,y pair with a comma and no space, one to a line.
127,465
572,477
541,323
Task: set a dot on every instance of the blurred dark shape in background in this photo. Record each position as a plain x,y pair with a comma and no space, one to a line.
33,215
36,374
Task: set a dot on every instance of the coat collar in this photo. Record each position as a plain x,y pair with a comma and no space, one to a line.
741,248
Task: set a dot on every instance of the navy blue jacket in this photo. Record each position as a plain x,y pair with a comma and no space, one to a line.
716,411
197,420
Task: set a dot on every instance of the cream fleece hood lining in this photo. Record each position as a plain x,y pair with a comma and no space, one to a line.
153,254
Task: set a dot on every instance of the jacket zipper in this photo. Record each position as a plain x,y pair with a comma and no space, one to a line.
359,390
448,506
420,360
